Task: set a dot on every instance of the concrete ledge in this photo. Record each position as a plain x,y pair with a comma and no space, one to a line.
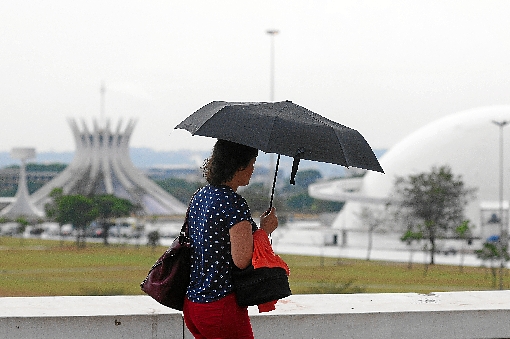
389,315
480,314
88,317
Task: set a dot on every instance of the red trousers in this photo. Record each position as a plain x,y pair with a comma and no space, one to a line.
221,319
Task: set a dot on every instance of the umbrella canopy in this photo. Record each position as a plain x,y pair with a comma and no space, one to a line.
283,128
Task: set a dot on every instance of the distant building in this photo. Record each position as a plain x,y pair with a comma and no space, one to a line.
9,178
186,172
467,141
102,165
22,205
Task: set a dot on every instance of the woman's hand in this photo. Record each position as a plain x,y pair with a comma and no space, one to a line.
269,221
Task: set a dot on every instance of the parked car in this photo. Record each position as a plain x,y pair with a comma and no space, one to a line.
67,230
449,250
9,228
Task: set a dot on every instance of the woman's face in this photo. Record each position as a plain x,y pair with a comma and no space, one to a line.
244,175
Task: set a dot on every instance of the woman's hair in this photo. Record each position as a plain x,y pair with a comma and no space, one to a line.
226,159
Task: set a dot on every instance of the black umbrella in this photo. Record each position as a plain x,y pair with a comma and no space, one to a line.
283,128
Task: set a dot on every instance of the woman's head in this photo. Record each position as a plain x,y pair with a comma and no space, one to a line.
226,159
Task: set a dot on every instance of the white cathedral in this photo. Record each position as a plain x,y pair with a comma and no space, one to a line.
101,165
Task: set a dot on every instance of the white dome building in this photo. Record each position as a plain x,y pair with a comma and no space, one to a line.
468,142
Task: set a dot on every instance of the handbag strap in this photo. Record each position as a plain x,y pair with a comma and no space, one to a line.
184,233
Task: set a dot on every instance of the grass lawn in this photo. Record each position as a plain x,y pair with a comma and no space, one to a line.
32,267
361,276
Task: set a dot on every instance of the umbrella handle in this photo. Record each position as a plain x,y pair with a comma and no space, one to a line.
295,165
274,182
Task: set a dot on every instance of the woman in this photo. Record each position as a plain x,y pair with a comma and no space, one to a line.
220,228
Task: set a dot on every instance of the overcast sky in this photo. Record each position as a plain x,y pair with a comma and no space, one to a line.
383,67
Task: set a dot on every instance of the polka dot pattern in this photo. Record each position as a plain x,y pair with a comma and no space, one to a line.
213,211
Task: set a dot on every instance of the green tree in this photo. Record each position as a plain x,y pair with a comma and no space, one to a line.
35,167
305,178
301,202
108,207
434,201
463,231
32,185
288,198
295,198
493,253
257,196
372,219
409,237
51,209
77,210
53,167
179,188
23,223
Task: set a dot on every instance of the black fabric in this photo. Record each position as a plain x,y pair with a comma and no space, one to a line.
261,285
283,128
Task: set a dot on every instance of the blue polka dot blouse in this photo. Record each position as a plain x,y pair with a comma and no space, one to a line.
213,211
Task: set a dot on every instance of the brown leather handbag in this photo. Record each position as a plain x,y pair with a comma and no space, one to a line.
169,277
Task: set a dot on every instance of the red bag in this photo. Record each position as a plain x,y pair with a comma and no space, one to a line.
169,277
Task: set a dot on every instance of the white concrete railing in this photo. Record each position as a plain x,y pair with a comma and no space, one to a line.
481,314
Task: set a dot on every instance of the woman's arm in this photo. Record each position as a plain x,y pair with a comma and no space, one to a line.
241,242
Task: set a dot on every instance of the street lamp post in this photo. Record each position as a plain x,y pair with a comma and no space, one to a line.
272,33
502,229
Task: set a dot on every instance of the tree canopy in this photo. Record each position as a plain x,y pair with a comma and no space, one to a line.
108,207
77,210
80,211
432,203
288,198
